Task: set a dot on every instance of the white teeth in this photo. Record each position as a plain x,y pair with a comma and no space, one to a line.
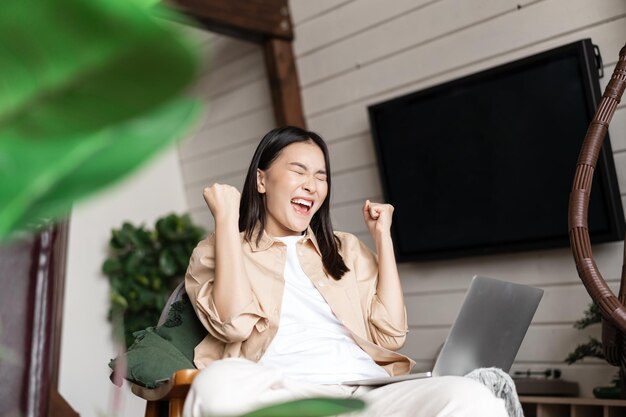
303,202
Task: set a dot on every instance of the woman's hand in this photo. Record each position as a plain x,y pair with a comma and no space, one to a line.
223,201
377,218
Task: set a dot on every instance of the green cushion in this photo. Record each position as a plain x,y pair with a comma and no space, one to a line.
152,360
159,352
182,327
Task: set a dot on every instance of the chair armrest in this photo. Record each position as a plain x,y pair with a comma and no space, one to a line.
176,387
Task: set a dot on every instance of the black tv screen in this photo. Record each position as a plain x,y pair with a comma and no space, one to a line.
485,163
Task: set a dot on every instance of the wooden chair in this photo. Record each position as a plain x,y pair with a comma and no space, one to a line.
167,399
612,308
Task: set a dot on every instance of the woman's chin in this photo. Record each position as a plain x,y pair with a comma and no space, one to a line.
299,227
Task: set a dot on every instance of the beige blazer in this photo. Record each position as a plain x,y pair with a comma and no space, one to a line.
247,334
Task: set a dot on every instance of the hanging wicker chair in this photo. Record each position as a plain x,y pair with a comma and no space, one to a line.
612,308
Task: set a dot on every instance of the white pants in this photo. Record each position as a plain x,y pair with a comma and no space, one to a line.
235,386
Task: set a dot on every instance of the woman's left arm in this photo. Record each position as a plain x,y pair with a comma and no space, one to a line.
389,291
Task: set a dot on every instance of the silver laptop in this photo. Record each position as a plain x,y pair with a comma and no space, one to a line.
487,332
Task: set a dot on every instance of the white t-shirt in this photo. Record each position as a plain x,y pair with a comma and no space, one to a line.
311,344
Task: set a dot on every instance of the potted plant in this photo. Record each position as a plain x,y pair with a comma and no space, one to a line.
144,266
593,349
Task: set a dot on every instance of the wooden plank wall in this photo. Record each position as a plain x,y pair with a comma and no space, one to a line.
353,53
238,112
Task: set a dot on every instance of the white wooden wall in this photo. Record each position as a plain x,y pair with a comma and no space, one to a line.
353,53
239,111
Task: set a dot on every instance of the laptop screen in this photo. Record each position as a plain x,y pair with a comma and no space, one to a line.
490,327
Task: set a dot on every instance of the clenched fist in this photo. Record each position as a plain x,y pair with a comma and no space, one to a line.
377,218
223,201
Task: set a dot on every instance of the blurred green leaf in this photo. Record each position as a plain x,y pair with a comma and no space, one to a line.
146,3
310,407
71,66
166,227
167,263
86,90
156,283
111,266
181,254
118,300
133,263
142,280
44,178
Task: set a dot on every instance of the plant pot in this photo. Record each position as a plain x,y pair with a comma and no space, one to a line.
608,392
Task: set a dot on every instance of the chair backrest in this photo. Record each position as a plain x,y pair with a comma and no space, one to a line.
613,309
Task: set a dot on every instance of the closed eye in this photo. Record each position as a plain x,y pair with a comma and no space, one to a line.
301,169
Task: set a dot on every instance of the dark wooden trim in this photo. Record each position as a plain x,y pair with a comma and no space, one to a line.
57,269
33,271
39,364
251,20
267,22
284,84
59,407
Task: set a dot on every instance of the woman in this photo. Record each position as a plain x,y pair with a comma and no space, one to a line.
301,307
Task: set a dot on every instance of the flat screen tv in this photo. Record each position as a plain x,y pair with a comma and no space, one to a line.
485,163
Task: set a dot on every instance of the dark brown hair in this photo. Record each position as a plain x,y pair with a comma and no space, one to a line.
252,207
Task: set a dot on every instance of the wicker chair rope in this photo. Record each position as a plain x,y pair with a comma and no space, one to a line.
612,308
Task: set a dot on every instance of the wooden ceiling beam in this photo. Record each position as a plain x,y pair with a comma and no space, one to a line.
268,23
251,20
284,84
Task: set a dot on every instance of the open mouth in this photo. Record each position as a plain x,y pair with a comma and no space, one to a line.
301,206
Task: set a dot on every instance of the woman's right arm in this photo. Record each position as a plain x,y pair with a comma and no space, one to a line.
216,281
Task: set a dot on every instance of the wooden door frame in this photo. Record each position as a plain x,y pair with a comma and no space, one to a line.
33,271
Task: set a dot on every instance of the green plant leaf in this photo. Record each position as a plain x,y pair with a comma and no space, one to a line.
45,178
591,316
310,407
167,263
111,267
75,66
593,349
166,227
118,300
142,280
182,255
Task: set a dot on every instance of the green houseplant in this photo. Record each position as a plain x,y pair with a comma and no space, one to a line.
593,349
144,266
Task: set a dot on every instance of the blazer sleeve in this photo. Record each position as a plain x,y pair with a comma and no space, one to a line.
199,281
383,332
